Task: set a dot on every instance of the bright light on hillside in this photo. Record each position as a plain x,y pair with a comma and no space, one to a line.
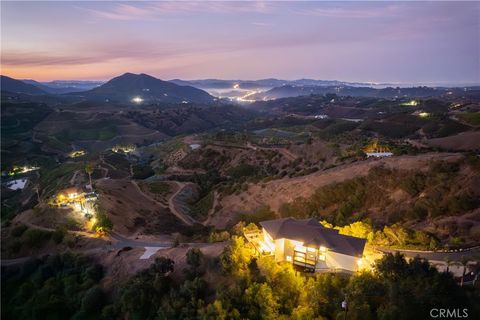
137,100
411,103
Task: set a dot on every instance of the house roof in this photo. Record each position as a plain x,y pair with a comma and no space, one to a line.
313,234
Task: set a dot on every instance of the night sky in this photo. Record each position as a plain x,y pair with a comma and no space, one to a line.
397,42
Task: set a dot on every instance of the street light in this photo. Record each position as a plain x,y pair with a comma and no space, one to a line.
345,306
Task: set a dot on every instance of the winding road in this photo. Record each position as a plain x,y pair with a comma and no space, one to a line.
172,205
472,253
171,202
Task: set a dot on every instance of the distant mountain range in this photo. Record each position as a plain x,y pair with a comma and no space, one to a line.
142,88
263,83
60,87
343,90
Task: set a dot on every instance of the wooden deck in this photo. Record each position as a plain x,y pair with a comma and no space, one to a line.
256,239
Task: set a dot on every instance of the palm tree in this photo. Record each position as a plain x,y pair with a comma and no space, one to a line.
89,171
464,261
448,262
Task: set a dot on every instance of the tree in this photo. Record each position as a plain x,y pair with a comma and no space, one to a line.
142,295
162,265
261,303
214,311
464,261
93,300
194,260
236,256
448,262
194,257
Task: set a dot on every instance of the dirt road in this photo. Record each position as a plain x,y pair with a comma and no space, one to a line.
211,212
172,204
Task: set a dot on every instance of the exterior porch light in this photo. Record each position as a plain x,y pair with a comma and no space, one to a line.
359,263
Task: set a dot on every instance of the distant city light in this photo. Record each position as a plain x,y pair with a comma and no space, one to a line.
137,100
423,114
246,97
236,86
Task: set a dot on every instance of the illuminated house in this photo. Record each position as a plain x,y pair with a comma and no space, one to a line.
376,150
69,196
306,243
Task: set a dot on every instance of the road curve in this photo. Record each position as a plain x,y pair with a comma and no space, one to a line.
171,204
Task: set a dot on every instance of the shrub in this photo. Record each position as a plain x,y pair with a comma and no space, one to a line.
94,300
242,170
59,234
18,230
103,222
218,236
36,238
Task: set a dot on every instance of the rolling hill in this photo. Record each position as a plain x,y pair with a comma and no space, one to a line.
126,87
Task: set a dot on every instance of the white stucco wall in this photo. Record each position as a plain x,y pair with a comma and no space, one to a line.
342,261
280,250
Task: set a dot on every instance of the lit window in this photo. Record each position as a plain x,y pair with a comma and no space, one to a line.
321,257
300,249
288,258
323,249
359,263
311,249
296,243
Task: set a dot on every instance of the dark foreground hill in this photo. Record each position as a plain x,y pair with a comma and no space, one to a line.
17,86
129,86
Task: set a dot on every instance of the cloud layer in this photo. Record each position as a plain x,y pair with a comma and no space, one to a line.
379,41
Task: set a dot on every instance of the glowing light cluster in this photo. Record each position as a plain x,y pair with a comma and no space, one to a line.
77,153
411,103
21,169
137,100
123,148
245,98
